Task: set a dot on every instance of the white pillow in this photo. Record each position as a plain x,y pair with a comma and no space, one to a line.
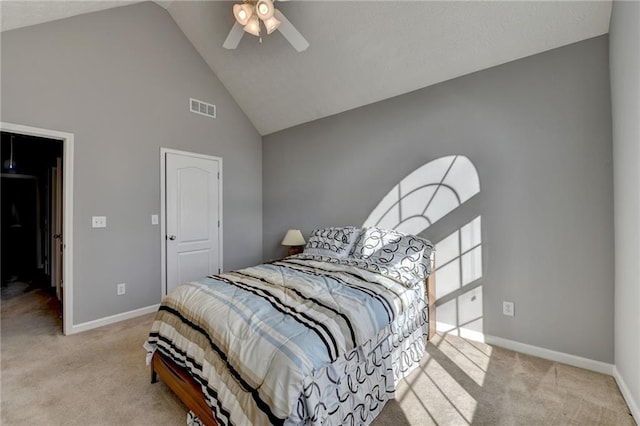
395,250
335,242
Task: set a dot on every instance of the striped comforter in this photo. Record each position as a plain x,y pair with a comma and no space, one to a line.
250,337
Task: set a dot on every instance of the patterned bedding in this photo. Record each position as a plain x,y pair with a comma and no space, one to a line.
298,341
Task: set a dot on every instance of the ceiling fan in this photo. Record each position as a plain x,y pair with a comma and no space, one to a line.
252,15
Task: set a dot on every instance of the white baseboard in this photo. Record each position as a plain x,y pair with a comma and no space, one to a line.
112,319
624,389
576,361
466,333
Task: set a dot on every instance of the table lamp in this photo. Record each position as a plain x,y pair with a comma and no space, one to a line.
294,240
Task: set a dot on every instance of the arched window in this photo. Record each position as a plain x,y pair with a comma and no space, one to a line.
423,197
426,195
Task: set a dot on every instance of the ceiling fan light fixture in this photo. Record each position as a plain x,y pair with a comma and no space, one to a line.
264,9
271,24
242,13
253,26
256,16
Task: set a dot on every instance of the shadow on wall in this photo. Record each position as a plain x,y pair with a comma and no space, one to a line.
425,196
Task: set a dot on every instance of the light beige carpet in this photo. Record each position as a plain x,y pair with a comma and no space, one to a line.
99,377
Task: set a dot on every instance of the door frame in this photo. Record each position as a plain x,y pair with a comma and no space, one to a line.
163,210
67,212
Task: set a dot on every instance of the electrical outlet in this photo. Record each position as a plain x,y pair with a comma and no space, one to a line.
121,289
508,308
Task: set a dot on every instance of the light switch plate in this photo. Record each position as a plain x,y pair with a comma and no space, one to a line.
154,219
99,221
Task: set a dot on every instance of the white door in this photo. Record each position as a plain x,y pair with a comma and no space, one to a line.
192,202
52,227
56,228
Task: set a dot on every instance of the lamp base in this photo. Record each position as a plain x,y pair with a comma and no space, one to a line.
295,250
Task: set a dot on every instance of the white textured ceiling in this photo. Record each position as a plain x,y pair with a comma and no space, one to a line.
22,13
360,52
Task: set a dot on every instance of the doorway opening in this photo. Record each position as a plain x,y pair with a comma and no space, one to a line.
31,217
36,221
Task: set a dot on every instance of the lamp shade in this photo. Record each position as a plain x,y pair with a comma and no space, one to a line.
271,24
293,238
253,27
242,12
264,9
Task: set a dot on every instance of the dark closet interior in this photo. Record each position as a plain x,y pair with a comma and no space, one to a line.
26,210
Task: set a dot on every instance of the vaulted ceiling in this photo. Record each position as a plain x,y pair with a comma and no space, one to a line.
360,52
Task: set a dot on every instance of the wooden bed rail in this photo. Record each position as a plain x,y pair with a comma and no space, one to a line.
183,385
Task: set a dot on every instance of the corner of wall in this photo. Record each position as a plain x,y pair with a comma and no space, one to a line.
626,394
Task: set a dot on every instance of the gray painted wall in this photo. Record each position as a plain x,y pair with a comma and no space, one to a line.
539,133
625,104
120,80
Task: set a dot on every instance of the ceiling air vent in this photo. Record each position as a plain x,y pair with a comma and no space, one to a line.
202,108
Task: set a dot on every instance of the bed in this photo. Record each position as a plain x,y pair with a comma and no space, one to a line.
321,337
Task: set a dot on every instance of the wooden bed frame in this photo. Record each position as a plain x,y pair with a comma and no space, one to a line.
189,391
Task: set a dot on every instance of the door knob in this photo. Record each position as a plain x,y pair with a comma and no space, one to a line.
172,237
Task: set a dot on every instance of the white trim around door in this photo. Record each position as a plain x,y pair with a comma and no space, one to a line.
163,210
67,200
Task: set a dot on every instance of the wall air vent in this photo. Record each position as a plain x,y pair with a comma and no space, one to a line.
202,108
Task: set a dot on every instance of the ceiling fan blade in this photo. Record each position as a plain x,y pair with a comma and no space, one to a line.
234,37
290,33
